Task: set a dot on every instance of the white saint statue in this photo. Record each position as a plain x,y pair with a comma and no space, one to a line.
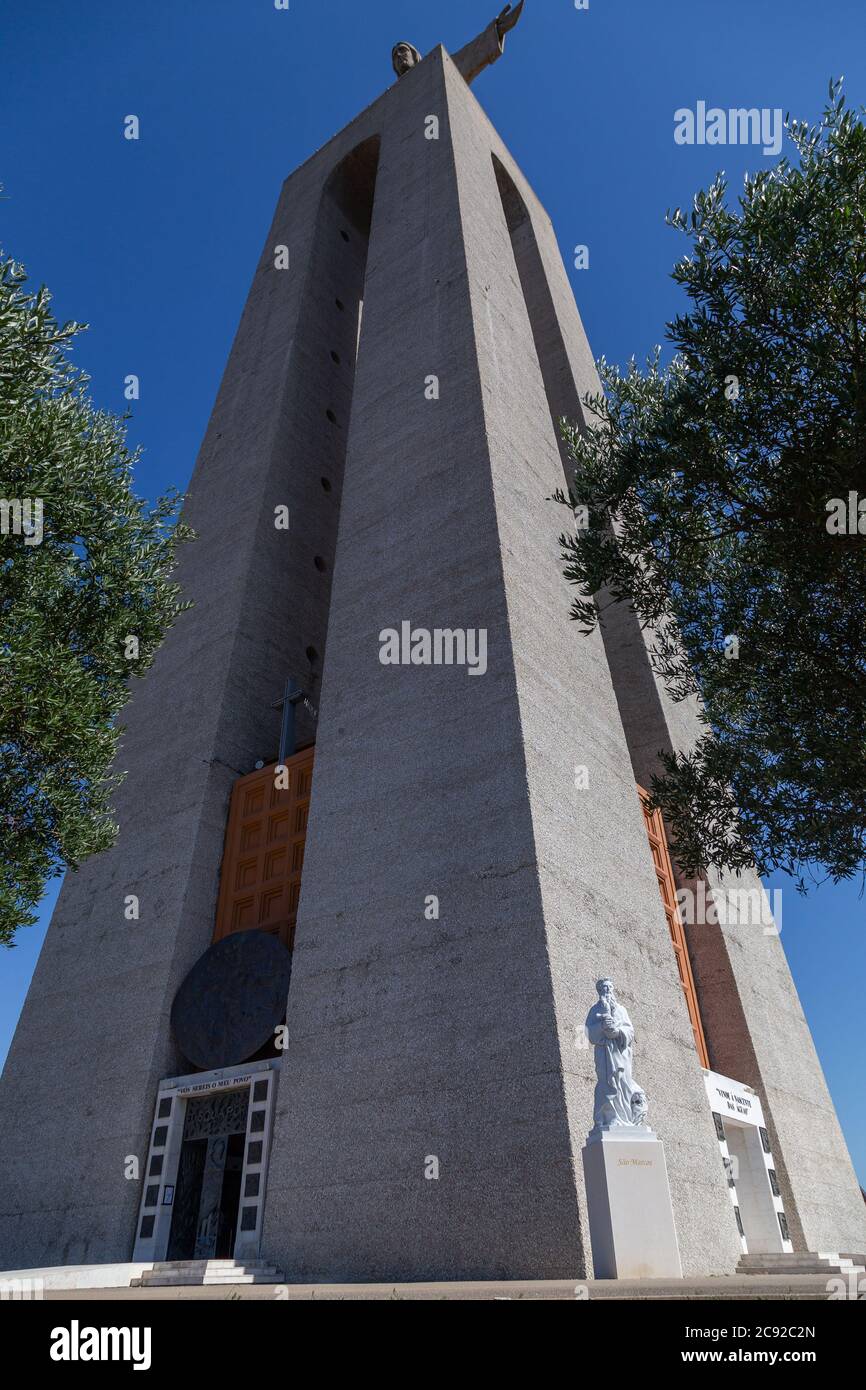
619,1101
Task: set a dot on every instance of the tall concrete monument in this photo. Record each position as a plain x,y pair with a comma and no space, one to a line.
377,739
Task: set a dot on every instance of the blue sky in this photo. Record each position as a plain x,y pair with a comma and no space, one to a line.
153,243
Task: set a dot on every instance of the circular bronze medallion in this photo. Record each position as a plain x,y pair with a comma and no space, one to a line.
233,1000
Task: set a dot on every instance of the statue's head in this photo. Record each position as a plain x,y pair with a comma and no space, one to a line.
403,57
605,988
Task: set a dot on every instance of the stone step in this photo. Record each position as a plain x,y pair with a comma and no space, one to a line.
274,1278
799,1257
207,1280
208,1273
169,1266
790,1261
818,1265
788,1257
180,1272
148,1278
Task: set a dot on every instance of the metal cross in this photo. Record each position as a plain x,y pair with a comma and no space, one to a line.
293,696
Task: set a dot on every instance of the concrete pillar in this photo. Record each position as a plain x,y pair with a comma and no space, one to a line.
754,1022
435,1096
79,1086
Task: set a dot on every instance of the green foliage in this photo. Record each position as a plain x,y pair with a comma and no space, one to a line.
67,604
719,511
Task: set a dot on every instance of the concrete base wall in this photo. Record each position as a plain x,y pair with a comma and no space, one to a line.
59,1278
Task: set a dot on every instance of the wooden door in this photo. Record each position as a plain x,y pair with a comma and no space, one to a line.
667,887
260,881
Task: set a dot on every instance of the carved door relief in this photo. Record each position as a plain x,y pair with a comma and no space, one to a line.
211,1116
667,887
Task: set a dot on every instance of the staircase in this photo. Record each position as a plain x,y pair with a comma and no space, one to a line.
825,1265
207,1272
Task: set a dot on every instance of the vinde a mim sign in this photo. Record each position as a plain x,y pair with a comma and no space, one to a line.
732,1098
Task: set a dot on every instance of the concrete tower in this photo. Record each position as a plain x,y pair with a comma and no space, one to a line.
464,882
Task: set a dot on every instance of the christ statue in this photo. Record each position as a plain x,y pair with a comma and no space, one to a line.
476,56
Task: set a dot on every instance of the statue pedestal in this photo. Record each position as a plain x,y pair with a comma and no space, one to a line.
631,1220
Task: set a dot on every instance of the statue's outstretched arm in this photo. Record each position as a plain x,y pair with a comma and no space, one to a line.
489,45
508,18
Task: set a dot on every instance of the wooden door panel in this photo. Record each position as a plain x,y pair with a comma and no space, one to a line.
667,887
260,881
